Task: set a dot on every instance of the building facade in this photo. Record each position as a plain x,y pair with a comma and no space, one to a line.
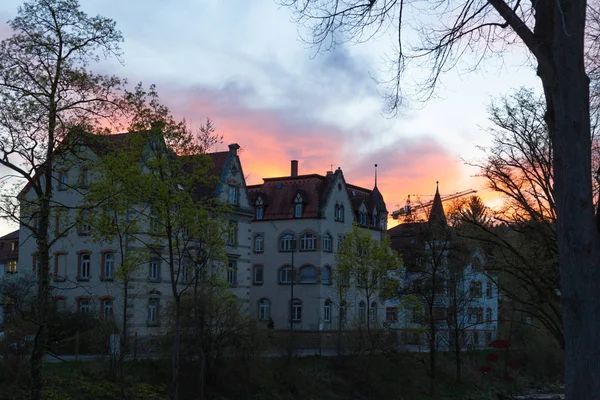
84,268
298,226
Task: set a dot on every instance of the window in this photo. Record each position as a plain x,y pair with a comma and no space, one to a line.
285,275
308,242
373,311
258,274
362,308
11,267
286,242
107,309
60,304
84,222
475,315
154,270
341,213
475,289
60,265
260,208
264,309
342,315
488,315
233,195
13,246
84,178
84,266
336,212
308,274
153,311
326,275
327,242
83,305
374,219
108,265
232,233
298,206
232,273
391,314
327,311
63,180
340,241
259,243
488,289
362,218
296,310
260,212
488,338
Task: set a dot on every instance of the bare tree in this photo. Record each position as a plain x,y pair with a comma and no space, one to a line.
554,32
46,90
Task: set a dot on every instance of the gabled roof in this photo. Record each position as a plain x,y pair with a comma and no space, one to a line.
10,236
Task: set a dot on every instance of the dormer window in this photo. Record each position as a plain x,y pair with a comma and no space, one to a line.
362,218
298,206
260,209
233,195
374,219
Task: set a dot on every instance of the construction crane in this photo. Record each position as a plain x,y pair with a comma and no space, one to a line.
408,211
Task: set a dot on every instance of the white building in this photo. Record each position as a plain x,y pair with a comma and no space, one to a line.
299,223
84,269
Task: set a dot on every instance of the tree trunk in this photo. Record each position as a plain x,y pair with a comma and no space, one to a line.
566,87
176,334
198,323
43,292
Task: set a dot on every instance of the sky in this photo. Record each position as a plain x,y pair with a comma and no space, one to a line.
243,65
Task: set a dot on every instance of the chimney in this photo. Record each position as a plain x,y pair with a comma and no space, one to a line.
233,148
294,168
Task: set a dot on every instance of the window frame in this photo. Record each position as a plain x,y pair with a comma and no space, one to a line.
152,318
84,264
264,309
233,195
289,275
327,311
328,280
104,301
287,238
151,276
310,281
106,257
296,311
83,303
308,242
327,243
11,267
256,270
259,238
362,311
63,180
232,273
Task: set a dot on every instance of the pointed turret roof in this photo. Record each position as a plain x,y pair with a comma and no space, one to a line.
437,209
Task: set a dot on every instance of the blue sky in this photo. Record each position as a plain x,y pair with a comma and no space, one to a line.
242,64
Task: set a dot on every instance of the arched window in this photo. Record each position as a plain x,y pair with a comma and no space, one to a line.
286,242
264,309
362,309
336,214
259,243
327,311
308,274
326,275
373,311
298,206
341,214
327,242
285,275
260,208
308,241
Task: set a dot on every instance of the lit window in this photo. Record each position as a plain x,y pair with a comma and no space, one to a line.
286,242
327,242
13,246
258,274
326,275
84,265
108,265
264,309
233,195
259,243
63,180
362,308
154,270
327,311
11,267
308,241
308,274
296,310
285,275
232,273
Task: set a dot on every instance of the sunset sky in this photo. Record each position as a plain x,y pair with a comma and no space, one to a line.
242,64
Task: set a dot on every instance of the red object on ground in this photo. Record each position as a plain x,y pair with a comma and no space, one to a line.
500,344
492,357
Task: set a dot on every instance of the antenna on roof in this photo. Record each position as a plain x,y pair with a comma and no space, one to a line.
375,175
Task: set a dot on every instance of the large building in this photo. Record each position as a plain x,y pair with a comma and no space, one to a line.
448,276
83,267
299,223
